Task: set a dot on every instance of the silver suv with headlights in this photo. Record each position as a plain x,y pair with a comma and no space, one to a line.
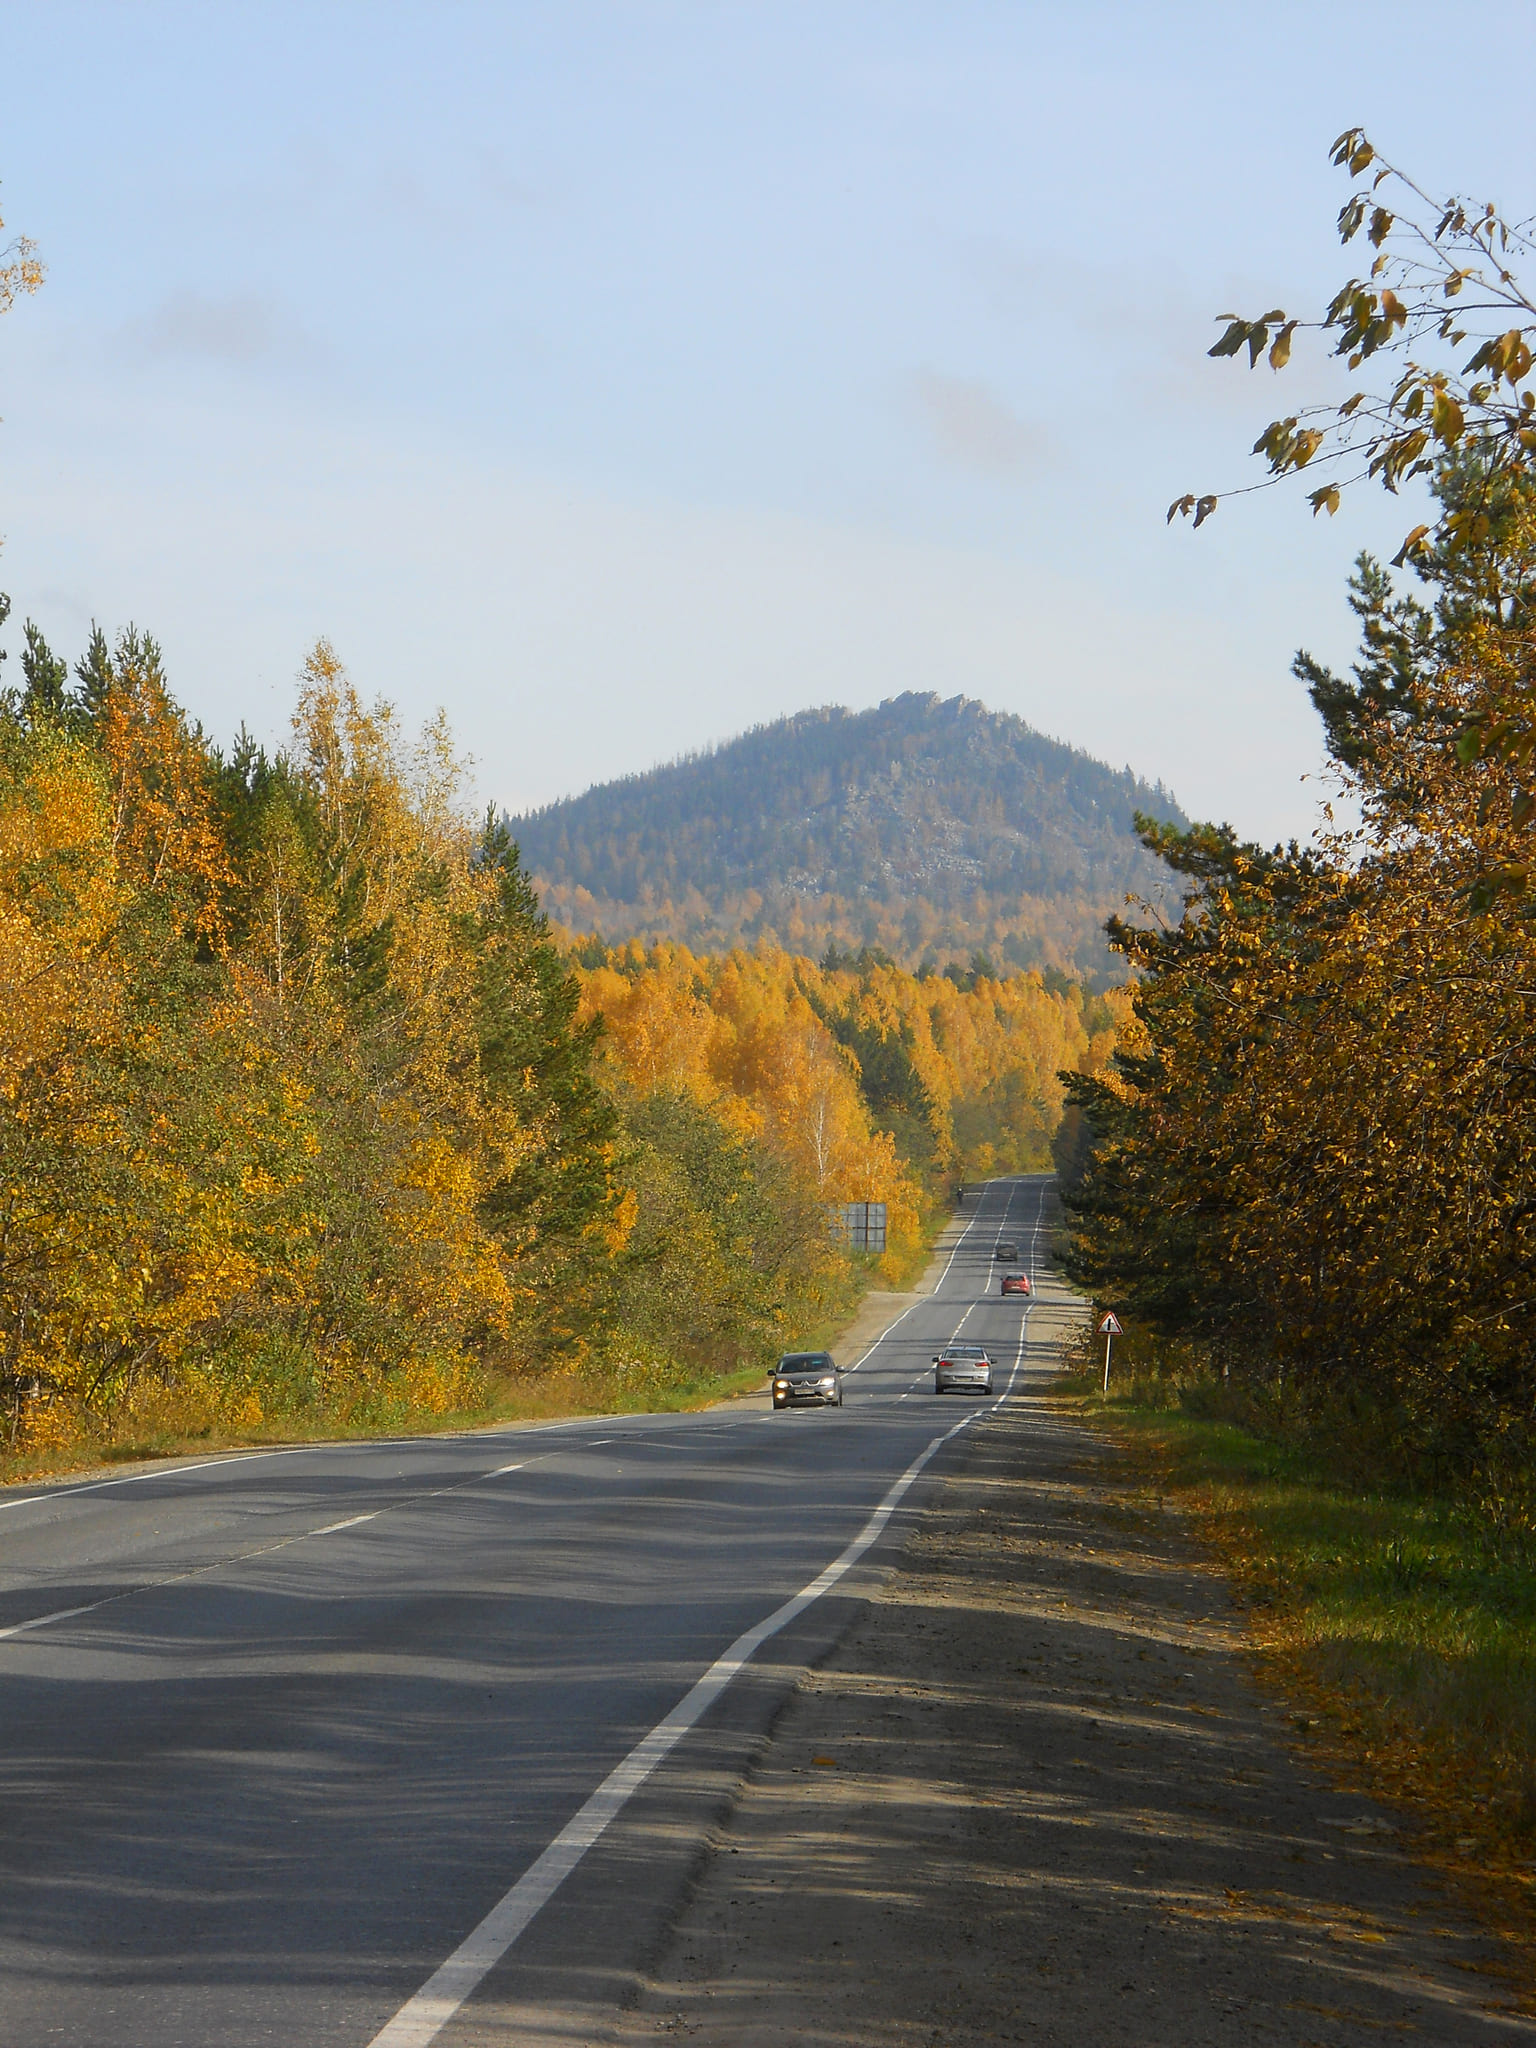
806,1379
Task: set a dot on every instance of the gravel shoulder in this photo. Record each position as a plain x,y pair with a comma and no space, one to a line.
1035,1795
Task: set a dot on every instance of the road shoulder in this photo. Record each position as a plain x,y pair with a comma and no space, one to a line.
1035,1795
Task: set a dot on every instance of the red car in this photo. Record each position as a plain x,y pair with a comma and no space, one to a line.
1016,1283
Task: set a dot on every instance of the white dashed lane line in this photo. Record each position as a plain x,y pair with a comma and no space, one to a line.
1029,1299
38,1621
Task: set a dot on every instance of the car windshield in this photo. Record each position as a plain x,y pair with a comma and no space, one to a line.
806,1361
963,1353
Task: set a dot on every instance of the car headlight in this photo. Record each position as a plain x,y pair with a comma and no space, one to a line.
828,1383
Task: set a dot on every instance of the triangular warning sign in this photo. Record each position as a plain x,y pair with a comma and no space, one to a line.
1109,1324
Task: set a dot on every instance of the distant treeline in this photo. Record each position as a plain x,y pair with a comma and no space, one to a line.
306,1112
931,829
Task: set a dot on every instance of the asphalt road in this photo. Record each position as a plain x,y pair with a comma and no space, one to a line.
280,1734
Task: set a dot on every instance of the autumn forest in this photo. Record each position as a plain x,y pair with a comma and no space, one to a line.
311,1116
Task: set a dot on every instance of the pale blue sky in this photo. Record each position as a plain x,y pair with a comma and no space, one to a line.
622,375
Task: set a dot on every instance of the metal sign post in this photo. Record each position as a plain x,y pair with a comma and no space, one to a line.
1109,1330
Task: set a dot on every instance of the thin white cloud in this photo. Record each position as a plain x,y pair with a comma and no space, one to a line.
976,427
240,328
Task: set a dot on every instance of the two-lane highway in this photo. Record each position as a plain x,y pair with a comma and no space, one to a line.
328,1745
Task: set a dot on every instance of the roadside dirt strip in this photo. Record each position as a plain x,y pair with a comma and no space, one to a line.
1035,1796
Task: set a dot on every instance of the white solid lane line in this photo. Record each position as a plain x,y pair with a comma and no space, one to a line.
422,2018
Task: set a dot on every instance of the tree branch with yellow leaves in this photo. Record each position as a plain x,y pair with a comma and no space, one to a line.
21,273
1443,301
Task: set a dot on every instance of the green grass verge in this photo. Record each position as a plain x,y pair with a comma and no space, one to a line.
1403,1627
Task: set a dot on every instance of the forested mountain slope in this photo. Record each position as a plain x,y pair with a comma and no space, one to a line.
930,827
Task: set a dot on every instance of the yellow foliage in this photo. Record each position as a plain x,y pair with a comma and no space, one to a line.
435,1388
769,1043
163,829
23,274
188,1149
45,1425
60,896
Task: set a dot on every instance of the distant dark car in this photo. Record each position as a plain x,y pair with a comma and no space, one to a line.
1005,1249
962,1369
1016,1283
807,1379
